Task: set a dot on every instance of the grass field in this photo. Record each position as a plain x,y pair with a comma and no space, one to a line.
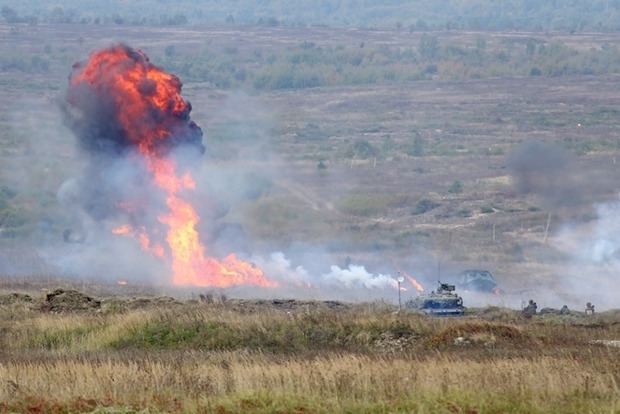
64,353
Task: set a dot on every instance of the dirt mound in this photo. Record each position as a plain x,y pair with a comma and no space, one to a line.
479,334
140,303
62,300
286,305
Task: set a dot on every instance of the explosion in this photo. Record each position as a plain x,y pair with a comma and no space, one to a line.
121,106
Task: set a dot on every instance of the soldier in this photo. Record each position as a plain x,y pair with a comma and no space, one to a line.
589,309
564,310
530,309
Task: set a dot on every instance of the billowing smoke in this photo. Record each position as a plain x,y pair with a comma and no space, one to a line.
350,277
545,171
593,250
603,244
587,243
138,142
554,176
119,100
120,106
357,276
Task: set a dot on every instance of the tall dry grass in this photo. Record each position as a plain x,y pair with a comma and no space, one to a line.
328,383
244,357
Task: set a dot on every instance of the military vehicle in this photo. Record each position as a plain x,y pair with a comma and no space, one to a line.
476,280
443,302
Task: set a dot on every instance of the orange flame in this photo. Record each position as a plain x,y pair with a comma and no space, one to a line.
414,283
149,108
124,229
142,237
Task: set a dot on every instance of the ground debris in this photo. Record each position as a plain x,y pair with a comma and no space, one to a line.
606,342
61,300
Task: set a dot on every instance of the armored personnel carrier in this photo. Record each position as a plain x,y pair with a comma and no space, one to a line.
443,302
477,280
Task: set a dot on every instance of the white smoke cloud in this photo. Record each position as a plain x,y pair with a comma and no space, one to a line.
603,244
278,267
356,276
592,272
337,283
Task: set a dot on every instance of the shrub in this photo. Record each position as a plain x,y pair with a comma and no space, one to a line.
456,188
424,206
362,205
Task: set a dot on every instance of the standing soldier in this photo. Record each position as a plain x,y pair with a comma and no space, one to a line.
530,309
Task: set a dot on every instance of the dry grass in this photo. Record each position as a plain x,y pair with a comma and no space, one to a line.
251,356
198,380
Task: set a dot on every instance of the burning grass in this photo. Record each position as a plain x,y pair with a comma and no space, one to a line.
230,355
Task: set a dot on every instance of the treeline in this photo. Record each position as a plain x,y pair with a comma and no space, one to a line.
308,65
578,15
58,15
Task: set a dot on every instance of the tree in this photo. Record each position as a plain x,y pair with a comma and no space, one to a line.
429,47
363,149
58,16
418,145
9,14
170,50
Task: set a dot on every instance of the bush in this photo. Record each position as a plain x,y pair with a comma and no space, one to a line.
424,206
361,148
362,205
456,188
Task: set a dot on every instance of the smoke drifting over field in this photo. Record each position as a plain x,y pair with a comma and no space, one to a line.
115,191
589,250
550,173
593,256
146,204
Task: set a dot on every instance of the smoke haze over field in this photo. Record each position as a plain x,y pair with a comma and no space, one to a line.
110,185
589,250
311,271
550,173
133,130
593,256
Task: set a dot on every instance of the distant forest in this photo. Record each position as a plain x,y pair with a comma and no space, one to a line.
531,15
